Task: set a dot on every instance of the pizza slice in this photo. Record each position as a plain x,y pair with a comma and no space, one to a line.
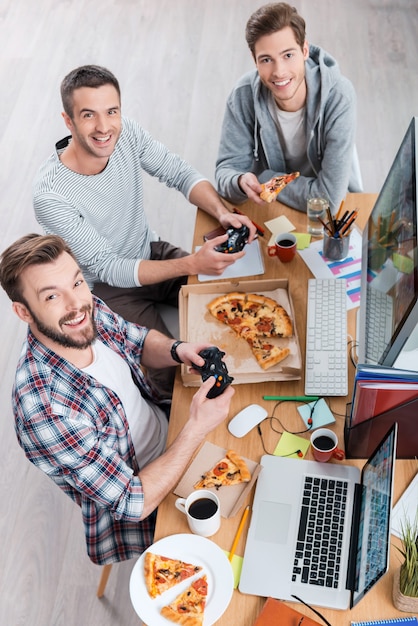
231,470
189,607
255,313
266,353
162,573
275,185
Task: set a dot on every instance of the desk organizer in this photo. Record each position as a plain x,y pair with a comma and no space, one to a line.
197,324
360,440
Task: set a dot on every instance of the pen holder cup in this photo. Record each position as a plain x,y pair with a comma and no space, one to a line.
336,248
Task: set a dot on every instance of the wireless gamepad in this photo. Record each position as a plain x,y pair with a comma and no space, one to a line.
237,238
214,366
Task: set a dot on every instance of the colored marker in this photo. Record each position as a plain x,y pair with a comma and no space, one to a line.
290,398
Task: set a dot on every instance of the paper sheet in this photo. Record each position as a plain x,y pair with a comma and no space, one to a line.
349,268
249,265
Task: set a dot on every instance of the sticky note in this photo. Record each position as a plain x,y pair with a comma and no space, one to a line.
302,240
321,415
277,226
289,445
236,565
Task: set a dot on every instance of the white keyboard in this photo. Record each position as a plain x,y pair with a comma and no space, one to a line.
326,338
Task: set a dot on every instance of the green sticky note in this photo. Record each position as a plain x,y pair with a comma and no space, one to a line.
290,444
302,240
236,565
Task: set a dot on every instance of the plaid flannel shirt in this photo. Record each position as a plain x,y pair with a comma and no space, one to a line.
75,430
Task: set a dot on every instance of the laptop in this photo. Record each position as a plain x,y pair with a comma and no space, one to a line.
320,532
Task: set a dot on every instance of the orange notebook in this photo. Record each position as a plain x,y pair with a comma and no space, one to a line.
278,613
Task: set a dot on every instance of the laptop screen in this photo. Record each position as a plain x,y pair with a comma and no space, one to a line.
372,558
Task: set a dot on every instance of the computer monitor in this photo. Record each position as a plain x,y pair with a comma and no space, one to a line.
389,272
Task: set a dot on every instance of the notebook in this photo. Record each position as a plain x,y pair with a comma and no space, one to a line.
284,557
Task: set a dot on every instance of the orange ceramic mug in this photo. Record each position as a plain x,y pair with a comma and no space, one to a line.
284,247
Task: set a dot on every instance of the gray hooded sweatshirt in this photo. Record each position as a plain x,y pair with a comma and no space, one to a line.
250,141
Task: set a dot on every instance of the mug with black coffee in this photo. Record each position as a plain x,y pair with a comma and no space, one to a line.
324,444
202,510
284,247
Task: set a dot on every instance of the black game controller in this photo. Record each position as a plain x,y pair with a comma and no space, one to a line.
237,238
214,366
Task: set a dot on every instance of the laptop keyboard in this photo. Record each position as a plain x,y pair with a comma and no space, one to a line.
319,543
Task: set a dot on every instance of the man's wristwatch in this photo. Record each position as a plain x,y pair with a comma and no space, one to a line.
173,351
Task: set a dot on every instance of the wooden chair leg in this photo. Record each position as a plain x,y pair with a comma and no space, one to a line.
103,580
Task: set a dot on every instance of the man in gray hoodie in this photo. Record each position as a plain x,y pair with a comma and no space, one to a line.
295,112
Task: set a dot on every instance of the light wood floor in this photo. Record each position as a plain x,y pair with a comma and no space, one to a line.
176,61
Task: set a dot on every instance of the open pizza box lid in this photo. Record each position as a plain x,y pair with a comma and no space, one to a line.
230,497
197,324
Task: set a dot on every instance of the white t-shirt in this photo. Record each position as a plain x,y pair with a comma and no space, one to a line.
148,424
292,135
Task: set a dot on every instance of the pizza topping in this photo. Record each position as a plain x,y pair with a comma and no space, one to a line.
252,316
272,188
188,608
162,573
230,470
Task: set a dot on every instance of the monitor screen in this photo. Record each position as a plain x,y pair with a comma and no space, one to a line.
389,272
372,552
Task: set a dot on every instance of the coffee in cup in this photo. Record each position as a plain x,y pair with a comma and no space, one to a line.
202,509
324,444
284,247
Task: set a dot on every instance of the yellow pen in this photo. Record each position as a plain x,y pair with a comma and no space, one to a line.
239,533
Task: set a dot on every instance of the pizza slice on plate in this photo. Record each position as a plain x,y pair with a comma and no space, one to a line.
189,607
162,573
231,470
275,185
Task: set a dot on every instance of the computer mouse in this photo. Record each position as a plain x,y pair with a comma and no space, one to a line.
246,419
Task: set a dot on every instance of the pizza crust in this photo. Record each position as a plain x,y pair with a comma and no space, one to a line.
180,618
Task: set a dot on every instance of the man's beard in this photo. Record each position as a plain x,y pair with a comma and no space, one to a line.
88,334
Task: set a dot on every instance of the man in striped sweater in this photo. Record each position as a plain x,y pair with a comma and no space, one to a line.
90,192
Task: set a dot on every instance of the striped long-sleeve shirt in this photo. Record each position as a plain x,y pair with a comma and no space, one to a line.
102,216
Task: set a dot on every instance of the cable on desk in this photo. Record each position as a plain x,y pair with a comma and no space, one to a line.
284,429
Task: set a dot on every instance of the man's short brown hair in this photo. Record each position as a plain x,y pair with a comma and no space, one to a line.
270,18
85,76
33,249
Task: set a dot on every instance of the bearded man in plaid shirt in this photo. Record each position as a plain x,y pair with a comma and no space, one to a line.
84,411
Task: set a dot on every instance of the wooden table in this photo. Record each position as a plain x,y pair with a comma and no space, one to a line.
243,608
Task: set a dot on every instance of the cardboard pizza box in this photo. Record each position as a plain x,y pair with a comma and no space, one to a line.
197,324
230,497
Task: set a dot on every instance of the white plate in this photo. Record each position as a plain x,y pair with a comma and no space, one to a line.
191,549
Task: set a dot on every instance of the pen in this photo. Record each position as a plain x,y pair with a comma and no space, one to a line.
260,230
339,210
290,398
348,223
239,532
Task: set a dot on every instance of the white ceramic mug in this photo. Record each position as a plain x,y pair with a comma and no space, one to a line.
203,512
